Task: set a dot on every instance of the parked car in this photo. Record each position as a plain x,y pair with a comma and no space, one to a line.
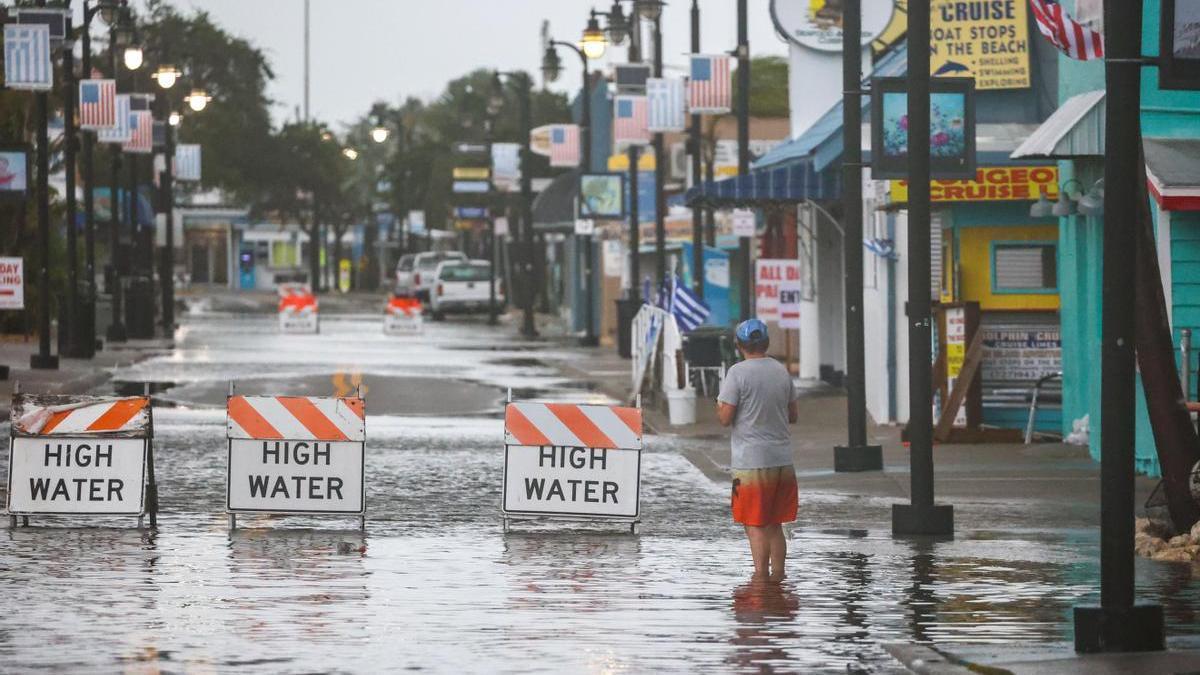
425,269
462,287
404,274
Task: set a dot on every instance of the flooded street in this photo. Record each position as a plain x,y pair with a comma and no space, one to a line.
435,584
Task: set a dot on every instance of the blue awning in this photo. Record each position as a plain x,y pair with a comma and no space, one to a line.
790,184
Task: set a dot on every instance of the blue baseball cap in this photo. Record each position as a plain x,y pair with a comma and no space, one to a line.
751,331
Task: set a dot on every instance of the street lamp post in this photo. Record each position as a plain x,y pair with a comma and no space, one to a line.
652,9
166,77
70,139
694,147
743,129
43,359
593,42
525,124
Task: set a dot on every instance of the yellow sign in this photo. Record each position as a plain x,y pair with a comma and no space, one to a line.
991,184
344,275
621,162
471,173
987,40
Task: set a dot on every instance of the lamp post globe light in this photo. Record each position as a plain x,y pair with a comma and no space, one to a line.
166,76
133,57
551,64
618,24
650,10
380,133
594,41
350,153
197,100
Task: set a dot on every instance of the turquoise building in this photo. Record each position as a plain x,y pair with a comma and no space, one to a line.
1075,136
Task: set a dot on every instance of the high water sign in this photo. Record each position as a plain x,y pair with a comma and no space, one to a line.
573,461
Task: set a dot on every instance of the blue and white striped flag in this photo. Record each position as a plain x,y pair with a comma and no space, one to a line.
667,106
122,132
187,162
27,57
688,309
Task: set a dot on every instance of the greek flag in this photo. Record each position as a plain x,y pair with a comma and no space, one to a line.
689,311
666,99
884,248
187,162
27,57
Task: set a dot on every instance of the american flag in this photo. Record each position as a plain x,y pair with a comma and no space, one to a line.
187,162
27,57
141,140
121,131
710,87
97,104
564,145
666,102
630,120
1073,38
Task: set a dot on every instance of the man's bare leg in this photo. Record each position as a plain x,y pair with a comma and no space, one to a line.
778,549
760,550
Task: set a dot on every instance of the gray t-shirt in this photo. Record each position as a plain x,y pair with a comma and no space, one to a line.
761,390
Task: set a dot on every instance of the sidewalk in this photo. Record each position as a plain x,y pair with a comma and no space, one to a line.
73,376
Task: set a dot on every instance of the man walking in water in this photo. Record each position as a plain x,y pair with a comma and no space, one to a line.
759,400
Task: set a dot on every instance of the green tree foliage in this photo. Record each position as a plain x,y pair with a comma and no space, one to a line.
768,86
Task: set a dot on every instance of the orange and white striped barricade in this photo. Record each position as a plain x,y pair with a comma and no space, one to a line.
291,455
81,455
402,316
298,309
572,462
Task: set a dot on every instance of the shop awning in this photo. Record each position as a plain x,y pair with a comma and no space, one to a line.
1076,129
789,184
1173,172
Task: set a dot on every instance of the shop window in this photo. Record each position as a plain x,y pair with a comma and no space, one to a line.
1024,267
284,254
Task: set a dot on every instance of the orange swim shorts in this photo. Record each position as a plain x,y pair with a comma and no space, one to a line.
764,496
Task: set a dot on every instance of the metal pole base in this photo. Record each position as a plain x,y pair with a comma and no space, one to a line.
47,362
936,520
858,458
116,332
589,341
1119,629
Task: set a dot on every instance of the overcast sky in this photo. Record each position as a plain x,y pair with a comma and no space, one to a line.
364,50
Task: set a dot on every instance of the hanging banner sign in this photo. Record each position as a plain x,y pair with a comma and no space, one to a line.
988,41
566,460
296,454
78,455
471,173
471,186
12,283
402,316
991,184
772,276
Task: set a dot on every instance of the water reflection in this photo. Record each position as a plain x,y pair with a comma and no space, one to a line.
766,631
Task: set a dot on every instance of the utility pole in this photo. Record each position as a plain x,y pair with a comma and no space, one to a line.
73,327
116,328
660,201
43,359
694,146
743,127
1119,624
635,229
856,455
524,86
167,182
86,332
921,516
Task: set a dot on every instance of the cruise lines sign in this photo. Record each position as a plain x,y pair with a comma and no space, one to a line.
988,41
817,24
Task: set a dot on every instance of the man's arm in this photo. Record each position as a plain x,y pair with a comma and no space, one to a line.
726,413
793,412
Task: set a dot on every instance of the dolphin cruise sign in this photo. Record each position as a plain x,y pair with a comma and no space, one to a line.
984,39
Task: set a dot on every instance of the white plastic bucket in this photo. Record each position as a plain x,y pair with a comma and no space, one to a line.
681,406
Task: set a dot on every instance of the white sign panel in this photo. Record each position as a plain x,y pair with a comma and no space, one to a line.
12,283
584,227
744,223
772,277
299,322
272,476
956,351
817,24
60,474
571,481
501,225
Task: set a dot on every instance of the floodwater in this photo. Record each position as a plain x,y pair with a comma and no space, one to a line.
435,584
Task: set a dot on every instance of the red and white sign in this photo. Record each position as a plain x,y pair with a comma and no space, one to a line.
296,454
777,291
12,283
402,316
298,310
78,455
576,461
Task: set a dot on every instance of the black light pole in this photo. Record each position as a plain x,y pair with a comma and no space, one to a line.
635,230
694,147
116,328
921,516
660,200
585,133
856,455
166,274
70,147
1119,624
524,85
43,359
85,332
743,127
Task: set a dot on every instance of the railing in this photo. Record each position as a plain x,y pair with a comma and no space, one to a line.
1033,403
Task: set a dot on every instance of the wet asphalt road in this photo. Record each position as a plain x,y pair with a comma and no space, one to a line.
438,586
